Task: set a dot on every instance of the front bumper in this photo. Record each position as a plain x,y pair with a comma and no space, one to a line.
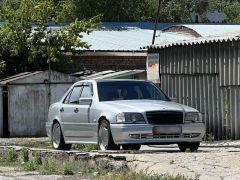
167,134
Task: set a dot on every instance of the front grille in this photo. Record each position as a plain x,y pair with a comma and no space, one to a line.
164,117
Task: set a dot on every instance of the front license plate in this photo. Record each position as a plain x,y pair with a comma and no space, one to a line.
167,130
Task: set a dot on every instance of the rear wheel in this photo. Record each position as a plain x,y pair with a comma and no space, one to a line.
105,140
131,147
192,146
57,138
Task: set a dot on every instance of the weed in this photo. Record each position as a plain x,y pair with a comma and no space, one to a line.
24,155
37,157
130,175
11,156
208,137
37,144
67,169
50,167
84,147
30,166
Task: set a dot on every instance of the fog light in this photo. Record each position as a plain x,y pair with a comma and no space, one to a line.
135,136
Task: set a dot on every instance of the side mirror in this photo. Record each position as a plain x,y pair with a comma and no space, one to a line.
85,101
174,99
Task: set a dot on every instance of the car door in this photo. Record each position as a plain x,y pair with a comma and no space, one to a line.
84,109
70,114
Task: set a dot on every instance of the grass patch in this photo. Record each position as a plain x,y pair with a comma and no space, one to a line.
9,158
38,144
30,166
130,175
67,169
84,147
51,167
48,168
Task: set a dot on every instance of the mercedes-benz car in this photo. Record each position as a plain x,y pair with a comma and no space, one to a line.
122,113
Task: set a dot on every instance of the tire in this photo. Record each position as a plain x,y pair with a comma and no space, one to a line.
135,147
57,138
105,140
192,146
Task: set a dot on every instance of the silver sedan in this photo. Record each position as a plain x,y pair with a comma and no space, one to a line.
122,113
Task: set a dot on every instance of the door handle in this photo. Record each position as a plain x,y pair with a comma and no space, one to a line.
62,109
76,110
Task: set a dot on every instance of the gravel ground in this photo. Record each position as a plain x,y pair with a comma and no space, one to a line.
214,160
13,173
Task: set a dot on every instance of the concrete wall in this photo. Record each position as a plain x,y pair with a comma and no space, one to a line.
28,107
1,112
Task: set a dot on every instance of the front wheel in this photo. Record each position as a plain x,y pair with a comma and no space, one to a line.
57,138
105,140
193,146
135,147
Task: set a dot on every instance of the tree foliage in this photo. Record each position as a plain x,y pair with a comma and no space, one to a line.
230,7
27,41
115,10
176,11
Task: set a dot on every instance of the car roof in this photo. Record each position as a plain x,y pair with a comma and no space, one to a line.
116,80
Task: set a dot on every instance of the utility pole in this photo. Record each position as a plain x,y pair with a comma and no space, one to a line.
156,21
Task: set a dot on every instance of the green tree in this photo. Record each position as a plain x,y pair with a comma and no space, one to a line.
230,7
115,10
176,11
27,41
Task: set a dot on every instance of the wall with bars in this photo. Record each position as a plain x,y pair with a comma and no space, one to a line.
206,77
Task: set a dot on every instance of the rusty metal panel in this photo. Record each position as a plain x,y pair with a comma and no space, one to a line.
1,111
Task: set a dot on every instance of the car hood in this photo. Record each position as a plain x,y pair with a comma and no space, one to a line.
147,105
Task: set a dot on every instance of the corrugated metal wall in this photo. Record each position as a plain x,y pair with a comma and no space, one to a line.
1,111
28,107
206,77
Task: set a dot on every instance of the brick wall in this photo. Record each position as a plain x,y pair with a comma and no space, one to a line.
100,63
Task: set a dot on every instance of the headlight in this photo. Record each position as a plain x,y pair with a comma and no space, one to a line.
193,117
136,118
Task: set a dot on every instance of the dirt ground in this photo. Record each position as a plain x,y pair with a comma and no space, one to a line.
214,160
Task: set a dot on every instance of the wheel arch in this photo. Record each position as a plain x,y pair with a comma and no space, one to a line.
103,117
55,120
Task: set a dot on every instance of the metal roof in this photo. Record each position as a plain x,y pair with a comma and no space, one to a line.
201,40
127,40
113,74
207,29
17,77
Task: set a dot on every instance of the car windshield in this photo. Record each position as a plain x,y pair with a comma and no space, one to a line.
129,90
